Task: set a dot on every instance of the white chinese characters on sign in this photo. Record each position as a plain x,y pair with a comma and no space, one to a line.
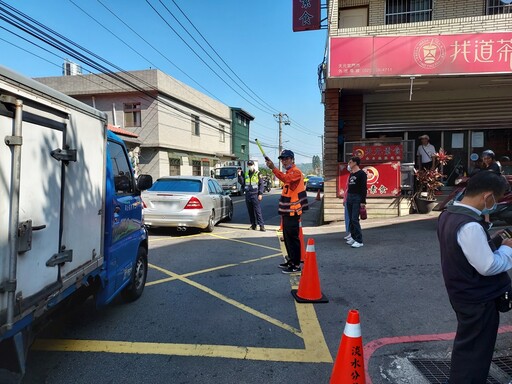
483,51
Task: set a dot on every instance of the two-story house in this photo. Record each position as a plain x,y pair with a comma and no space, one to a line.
404,68
181,130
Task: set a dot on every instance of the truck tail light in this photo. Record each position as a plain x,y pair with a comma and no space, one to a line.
194,203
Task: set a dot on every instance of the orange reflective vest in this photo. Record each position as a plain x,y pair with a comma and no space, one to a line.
293,199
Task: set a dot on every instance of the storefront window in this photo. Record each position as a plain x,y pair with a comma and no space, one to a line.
196,167
408,11
174,167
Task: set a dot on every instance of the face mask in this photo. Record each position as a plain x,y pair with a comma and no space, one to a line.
288,166
349,168
251,168
488,211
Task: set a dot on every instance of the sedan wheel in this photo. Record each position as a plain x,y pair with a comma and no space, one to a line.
211,223
229,216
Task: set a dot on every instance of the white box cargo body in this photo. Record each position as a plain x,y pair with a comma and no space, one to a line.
59,219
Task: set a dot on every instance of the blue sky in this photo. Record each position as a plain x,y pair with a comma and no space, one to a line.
254,38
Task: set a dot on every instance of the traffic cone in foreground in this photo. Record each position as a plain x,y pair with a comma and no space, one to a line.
349,364
302,247
318,196
309,285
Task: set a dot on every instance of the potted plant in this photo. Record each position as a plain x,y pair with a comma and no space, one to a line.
429,181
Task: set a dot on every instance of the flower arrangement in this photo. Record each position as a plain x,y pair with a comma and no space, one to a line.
429,180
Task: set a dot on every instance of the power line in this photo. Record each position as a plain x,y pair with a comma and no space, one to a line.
45,37
220,57
200,58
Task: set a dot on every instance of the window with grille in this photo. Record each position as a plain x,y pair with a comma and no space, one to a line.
196,167
222,132
408,11
495,7
195,125
174,167
132,117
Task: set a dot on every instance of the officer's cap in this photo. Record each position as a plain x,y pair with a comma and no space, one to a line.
286,153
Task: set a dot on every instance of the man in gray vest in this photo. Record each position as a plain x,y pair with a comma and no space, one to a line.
475,274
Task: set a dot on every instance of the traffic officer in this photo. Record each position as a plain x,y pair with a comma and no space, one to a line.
253,188
292,202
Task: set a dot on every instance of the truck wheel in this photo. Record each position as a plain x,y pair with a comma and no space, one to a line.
138,280
211,223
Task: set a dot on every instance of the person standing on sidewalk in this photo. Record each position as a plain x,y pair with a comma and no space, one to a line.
425,152
348,236
475,276
356,198
253,188
292,202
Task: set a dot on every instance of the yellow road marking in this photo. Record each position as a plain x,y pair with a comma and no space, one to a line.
315,348
244,242
152,239
167,279
171,349
226,299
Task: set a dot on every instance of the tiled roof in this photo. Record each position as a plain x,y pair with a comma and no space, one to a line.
121,131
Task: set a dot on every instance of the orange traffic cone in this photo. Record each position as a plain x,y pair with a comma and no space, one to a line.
349,364
318,196
302,247
309,285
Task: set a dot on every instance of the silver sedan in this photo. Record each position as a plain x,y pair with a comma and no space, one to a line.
186,201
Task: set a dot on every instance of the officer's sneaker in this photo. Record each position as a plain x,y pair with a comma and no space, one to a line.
291,269
350,241
285,265
356,245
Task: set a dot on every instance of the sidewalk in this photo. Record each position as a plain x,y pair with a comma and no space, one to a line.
395,281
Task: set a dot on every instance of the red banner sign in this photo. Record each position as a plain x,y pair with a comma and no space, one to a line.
383,179
378,153
416,55
306,15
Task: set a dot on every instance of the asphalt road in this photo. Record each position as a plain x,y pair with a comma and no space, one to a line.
216,309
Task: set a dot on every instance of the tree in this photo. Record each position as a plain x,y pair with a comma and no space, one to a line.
317,165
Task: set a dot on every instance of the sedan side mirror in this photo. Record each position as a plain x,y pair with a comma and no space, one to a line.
144,182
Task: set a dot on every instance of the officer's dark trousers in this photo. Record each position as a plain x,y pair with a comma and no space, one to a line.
254,208
474,342
291,237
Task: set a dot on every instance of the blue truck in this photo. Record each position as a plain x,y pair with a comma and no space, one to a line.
71,222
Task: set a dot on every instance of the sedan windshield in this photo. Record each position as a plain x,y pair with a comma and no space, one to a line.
176,185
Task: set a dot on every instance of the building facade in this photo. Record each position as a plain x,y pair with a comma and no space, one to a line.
181,131
240,125
397,69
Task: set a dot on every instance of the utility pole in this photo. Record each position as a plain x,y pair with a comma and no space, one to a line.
282,118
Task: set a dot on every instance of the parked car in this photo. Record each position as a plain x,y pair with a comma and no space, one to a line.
315,183
186,202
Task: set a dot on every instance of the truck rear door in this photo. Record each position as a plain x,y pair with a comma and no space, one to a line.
40,201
